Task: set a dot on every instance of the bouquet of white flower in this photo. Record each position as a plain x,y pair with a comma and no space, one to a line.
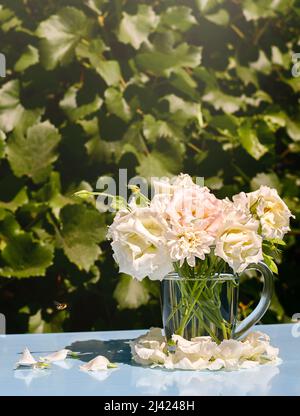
185,222
186,229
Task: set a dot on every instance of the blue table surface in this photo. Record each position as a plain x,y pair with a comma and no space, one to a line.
65,378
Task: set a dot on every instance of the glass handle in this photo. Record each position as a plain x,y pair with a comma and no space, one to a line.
265,300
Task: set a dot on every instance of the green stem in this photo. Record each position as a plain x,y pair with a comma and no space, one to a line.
188,311
200,299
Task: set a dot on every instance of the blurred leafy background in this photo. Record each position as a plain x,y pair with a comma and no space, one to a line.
157,87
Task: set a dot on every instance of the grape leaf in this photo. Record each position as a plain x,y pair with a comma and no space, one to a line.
18,201
60,35
82,229
130,293
29,57
21,255
250,141
184,111
11,109
73,110
221,101
2,143
109,70
178,18
154,129
32,154
135,29
160,163
116,104
164,63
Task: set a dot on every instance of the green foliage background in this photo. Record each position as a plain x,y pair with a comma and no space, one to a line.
157,87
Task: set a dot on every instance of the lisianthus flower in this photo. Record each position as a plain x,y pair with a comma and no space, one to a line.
238,242
266,205
139,244
190,206
188,243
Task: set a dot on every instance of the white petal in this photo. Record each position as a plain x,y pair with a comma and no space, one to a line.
201,353
96,364
56,356
26,359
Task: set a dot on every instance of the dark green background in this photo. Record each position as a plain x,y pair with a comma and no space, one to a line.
159,88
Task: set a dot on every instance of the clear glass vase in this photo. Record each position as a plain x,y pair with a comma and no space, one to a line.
208,305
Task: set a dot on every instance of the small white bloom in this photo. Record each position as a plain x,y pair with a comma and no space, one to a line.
97,364
26,360
56,356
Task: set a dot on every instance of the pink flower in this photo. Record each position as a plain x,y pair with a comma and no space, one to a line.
188,243
193,215
191,207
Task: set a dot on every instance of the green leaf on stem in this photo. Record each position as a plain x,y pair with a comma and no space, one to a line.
22,150
135,29
82,229
60,34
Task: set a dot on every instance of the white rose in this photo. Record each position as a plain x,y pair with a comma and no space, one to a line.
266,205
238,242
139,245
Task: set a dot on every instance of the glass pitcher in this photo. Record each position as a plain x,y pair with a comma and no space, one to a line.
208,305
